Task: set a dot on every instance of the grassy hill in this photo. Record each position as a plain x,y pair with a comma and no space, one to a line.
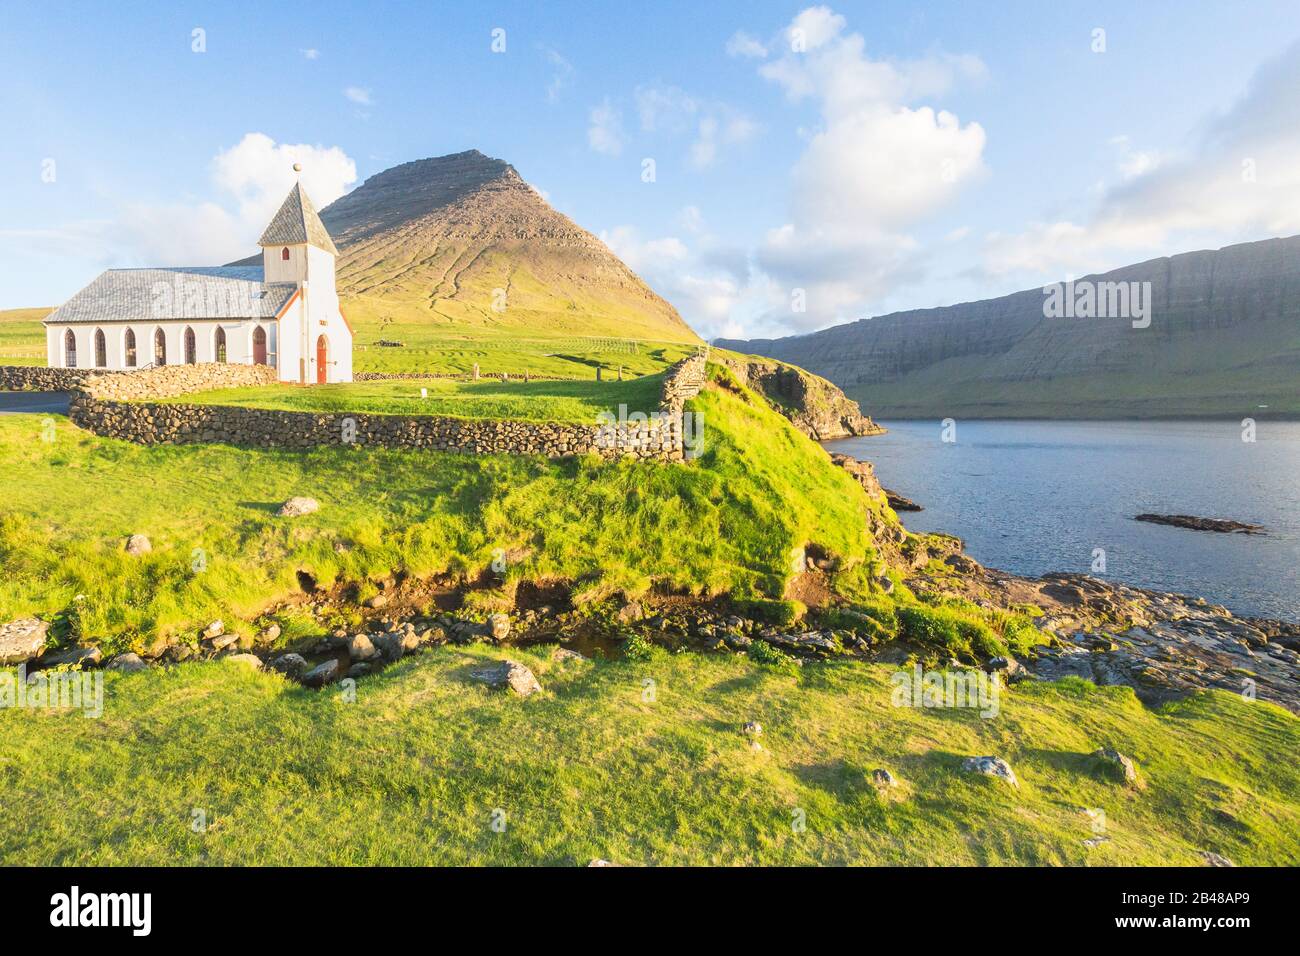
22,337
412,769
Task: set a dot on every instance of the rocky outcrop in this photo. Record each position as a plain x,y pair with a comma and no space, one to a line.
1221,525
508,674
22,640
813,405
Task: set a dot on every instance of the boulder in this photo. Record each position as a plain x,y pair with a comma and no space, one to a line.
377,602
390,646
361,648
507,673
564,655
630,612
1214,859
138,544
127,663
247,660
499,627
1117,764
298,506
991,767
22,640
290,665
819,642
270,635
80,656
222,641
321,674
359,669
215,629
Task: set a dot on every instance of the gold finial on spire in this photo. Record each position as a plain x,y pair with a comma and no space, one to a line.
297,167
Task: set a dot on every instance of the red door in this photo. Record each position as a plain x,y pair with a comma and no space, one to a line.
259,346
322,359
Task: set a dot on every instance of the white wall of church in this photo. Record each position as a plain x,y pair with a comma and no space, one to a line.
239,343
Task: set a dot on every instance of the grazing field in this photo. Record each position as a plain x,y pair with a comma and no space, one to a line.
22,337
421,764
725,522
488,398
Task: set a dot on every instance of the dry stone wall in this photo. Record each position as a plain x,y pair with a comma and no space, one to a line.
119,407
40,378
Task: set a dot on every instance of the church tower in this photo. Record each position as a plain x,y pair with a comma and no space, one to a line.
297,248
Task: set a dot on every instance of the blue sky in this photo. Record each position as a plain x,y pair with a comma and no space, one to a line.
811,164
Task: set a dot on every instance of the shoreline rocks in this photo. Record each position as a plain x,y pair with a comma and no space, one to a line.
1221,525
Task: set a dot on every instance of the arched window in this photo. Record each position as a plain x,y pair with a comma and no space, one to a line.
159,347
128,342
101,349
219,343
191,350
284,254
69,349
259,346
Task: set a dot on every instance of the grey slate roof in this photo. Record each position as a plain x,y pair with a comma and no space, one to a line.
297,221
203,292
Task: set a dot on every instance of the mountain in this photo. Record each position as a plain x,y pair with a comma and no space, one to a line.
1224,339
461,243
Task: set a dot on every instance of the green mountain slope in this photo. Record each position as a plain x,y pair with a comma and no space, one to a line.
1224,339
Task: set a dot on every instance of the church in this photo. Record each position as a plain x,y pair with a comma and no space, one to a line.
283,313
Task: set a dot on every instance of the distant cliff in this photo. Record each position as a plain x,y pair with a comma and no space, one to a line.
1224,339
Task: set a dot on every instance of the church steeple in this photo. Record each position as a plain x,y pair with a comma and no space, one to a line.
297,223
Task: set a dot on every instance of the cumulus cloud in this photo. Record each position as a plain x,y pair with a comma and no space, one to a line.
310,53
876,164
250,181
605,128
359,95
1236,180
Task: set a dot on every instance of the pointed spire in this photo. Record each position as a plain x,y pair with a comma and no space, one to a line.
296,222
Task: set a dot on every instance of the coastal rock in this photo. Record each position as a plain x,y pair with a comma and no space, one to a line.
899,503
1221,525
991,767
507,673
22,640
138,544
298,506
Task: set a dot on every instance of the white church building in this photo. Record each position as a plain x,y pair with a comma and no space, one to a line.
283,313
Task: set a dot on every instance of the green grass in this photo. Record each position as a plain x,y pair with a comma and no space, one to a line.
22,337
412,770
490,398
727,522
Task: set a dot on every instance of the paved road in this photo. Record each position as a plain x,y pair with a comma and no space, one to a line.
33,403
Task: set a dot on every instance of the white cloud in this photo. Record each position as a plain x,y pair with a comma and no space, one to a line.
605,129
712,124
561,76
359,95
310,54
1236,181
876,164
745,45
250,180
